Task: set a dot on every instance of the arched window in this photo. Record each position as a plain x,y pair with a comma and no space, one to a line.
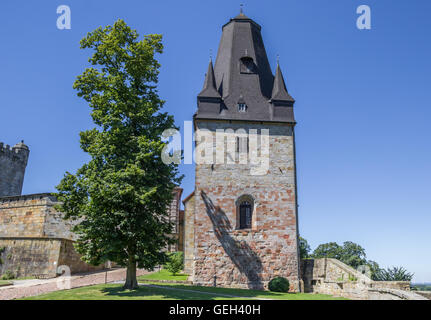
245,215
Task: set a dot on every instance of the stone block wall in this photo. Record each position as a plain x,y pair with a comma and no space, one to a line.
69,257
189,216
29,256
330,276
248,258
26,257
35,237
32,216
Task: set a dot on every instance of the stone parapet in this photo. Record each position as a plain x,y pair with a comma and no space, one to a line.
33,215
331,276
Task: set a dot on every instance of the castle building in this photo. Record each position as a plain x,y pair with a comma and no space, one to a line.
241,224
35,240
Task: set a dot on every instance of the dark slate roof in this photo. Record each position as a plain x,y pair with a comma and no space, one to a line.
242,41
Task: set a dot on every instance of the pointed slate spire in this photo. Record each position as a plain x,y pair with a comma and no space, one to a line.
209,90
279,91
242,73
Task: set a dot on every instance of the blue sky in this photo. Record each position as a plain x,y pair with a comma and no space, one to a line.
363,103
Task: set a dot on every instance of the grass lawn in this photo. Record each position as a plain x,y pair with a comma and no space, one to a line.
5,282
171,292
164,275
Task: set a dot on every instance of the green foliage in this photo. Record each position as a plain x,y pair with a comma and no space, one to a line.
421,287
354,255
164,274
304,248
8,275
2,249
279,284
349,253
393,274
119,198
352,278
175,262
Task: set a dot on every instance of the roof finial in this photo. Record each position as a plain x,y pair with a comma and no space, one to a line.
211,54
278,58
241,6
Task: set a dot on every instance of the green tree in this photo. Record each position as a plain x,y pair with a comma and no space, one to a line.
353,254
349,253
327,250
374,268
119,198
304,248
175,262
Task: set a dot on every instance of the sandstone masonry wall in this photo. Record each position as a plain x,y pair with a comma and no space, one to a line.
330,276
189,217
29,256
35,238
249,258
32,216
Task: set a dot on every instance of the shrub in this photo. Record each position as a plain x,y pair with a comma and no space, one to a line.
279,284
175,262
8,275
393,274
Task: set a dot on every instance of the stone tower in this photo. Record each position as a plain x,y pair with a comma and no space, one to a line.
245,220
13,162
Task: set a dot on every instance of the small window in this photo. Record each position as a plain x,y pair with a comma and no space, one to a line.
247,65
242,144
242,107
245,215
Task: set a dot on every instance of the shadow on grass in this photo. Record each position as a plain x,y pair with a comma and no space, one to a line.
167,292
184,291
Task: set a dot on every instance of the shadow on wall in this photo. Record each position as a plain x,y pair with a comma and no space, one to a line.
240,253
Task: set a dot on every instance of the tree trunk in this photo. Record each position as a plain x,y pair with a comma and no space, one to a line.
131,281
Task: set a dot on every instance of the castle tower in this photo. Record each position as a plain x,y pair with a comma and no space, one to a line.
13,162
245,211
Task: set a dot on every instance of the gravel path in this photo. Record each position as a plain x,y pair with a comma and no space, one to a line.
37,287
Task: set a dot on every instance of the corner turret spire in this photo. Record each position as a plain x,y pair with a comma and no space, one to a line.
209,90
279,91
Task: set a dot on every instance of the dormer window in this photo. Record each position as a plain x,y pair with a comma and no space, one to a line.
242,107
247,65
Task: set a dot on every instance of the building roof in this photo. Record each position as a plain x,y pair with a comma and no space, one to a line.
188,197
242,74
279,91
209,90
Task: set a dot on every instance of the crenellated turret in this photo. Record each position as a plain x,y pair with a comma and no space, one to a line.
13,162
